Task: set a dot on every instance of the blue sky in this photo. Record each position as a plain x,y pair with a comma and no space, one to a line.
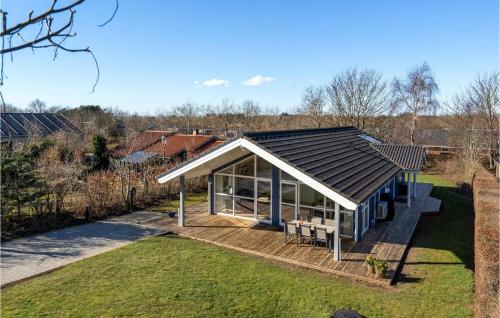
156,54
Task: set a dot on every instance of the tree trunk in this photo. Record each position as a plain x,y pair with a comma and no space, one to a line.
412,128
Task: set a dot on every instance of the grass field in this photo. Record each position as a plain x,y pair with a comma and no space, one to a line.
171,276
172,205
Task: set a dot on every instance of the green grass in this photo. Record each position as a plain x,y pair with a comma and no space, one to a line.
171,276
172,205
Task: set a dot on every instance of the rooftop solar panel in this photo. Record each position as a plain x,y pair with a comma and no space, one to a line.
46,121
20,125
15,127
34,121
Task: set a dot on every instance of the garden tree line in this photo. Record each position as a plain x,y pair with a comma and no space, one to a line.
49,181
354,97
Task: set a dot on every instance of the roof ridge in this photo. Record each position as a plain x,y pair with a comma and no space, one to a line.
289,132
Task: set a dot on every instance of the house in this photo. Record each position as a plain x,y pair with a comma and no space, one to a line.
17,127
165,145
276,177
438,141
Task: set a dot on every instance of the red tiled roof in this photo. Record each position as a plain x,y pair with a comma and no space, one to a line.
178,143
150,141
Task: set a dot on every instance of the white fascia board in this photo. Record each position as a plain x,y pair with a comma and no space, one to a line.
313,183
202,160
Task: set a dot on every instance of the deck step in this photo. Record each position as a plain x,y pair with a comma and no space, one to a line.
431,206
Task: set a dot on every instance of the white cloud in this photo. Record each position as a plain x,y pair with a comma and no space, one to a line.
258,80
213,82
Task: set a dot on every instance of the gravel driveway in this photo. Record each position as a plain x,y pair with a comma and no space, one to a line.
33,255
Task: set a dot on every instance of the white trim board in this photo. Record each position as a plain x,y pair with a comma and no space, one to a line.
294,172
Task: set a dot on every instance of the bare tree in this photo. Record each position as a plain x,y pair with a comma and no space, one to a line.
187,112
250,110
356,95
37,106
224,112
9,108
313,105
48,29
468,137
415,94
484,94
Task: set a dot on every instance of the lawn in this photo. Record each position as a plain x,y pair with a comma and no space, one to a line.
172,205
172,276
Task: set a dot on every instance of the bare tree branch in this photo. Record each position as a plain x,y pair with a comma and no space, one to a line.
54,37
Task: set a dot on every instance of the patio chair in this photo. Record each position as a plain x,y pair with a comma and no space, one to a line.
321,236
329,222
291,231
305,232
317,220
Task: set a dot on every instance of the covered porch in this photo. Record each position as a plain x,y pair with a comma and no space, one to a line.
387,241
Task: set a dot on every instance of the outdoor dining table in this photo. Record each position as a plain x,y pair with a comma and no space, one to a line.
329,229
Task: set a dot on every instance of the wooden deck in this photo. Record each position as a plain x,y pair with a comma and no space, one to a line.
387,241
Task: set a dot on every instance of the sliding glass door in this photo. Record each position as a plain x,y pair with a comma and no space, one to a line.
288,209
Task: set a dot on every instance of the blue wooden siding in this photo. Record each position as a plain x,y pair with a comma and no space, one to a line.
372,210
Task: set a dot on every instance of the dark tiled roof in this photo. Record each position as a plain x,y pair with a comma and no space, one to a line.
337,157
407,157
20,125
437,137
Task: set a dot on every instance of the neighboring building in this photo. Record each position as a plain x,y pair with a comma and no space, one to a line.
445,140
166,145
17,127
435,140
279,176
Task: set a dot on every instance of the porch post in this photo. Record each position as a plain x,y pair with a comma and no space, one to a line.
336,235
211,193
180,219
408,190
414,184
275,196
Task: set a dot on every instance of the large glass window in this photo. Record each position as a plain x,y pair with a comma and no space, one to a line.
245,167
263,200
240,193
228,170
311,197
244,207
223,184
288,202
346,221
224,203
288,195
306,213
264,191
244,187
287,177
264,168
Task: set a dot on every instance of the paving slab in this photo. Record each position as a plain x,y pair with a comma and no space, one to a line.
30,256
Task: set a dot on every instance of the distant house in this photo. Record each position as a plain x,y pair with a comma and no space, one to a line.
17,127
444,140
436,140
165,145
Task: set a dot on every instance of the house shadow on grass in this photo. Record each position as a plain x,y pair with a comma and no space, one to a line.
452,229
